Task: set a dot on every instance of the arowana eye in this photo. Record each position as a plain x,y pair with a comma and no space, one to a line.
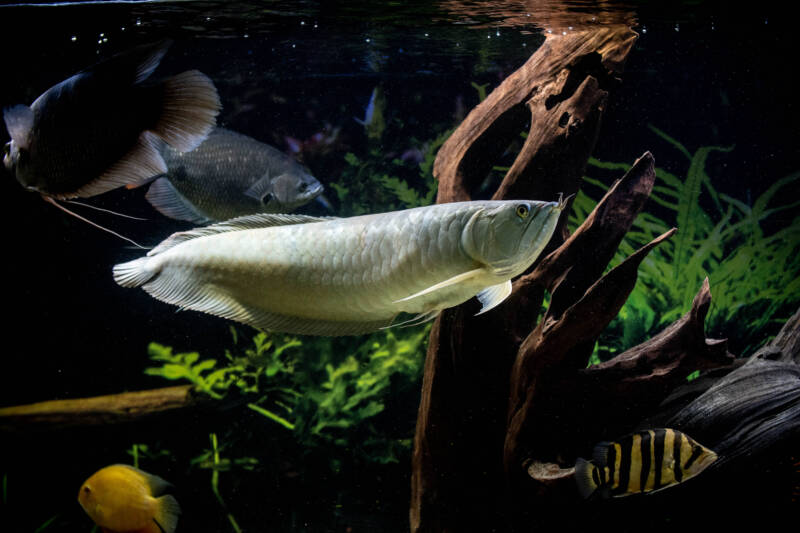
522,211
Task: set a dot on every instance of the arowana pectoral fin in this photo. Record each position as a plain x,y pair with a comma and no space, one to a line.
446,283
490,297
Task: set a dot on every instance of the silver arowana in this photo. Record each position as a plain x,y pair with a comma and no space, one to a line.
347,276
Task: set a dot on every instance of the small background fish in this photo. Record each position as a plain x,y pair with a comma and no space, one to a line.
121,498
227,176
642,462
373,122
98,129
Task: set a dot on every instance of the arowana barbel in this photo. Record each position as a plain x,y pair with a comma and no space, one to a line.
347,276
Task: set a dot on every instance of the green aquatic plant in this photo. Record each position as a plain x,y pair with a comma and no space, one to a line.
306,409
323,395
341,409
138,450
186,366
240,372
46,524
481,90
752,267
213,461
371,184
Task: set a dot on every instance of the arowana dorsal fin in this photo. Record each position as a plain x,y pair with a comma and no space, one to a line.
261,220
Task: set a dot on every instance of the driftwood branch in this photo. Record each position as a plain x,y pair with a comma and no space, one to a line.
752,409
561,92
110,409
507,401
786,344
458,477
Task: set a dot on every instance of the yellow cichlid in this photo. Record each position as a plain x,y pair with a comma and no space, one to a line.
347,276
121,498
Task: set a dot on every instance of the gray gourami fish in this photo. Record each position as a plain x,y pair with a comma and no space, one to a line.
643,462
347,276
98,130
227,176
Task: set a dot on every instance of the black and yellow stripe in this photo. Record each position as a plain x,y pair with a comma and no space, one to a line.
645,461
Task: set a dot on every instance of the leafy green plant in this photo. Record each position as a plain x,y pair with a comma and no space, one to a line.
370,185
318,408
145,451
342,409
324,400
753,271
481,90
212,460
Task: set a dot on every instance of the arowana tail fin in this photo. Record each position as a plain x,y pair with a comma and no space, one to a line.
133,273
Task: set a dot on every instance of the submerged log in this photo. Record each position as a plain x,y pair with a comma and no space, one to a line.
98,410
753,408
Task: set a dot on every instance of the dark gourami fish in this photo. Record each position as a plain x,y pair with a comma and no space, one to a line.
121,498
642,462
227,176
347,276
98,129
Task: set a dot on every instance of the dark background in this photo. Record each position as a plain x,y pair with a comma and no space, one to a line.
700,71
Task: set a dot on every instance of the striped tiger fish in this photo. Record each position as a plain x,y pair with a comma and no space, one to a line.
643,462
347,276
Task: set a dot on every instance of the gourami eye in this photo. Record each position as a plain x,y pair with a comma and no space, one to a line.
522,211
